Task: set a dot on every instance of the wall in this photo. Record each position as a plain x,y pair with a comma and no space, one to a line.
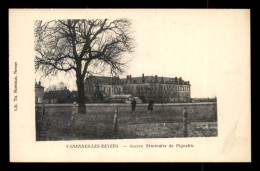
39,94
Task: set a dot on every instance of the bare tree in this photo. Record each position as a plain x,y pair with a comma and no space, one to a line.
62,86
81,46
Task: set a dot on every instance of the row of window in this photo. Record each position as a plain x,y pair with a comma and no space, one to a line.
164,88
108,90
172,94
145,87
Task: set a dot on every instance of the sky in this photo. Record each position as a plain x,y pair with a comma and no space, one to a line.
200,47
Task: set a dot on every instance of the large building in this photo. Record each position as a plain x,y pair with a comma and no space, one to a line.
158,89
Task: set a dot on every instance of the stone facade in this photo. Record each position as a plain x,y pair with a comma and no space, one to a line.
39,92
97,87
158,89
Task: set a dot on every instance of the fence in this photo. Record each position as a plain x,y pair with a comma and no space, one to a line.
104,121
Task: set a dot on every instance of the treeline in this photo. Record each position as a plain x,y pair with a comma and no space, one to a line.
204,99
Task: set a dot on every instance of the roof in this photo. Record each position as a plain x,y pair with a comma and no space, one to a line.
62,91
121,96
149,79
38,86
103,80
135,80
138,80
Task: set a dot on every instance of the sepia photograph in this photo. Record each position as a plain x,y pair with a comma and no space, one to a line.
129,85
95,100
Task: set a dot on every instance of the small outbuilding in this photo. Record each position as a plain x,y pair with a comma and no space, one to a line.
122,98
137,99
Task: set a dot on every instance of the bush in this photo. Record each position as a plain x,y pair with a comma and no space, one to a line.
143,99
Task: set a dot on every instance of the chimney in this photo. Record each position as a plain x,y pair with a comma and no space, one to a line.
156,80
130,78
142,78
162,80
176,81
39,83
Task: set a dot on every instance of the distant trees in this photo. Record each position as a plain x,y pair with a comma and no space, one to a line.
62,86
214,99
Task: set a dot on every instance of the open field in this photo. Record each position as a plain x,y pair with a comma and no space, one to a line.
98,122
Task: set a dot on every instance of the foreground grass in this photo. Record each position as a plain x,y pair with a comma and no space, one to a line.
55,126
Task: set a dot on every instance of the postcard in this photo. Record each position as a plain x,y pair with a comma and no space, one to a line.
129,85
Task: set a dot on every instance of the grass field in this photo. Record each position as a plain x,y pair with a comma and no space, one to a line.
55,125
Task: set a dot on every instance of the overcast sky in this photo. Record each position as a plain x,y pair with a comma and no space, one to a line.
201,47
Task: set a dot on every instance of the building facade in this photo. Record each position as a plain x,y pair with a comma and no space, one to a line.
99,88
158,89
39,92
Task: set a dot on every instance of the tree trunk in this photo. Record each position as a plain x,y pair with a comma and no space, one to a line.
81,96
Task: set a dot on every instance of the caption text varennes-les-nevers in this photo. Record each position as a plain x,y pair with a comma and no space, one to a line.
130,146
